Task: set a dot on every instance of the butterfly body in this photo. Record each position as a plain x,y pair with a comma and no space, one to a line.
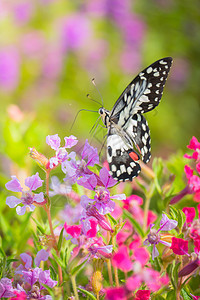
128,132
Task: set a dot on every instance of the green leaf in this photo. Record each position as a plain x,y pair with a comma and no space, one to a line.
53,273
173,212
171,295
112,219
57,259
185,295
137,227
76,269
90,295
157,166
175,273
39,227
181,219
60,239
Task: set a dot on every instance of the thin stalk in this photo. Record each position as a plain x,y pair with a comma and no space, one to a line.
48,211
108,261
73,280
115,268
147,204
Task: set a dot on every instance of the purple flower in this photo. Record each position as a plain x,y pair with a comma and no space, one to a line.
102,199
6,289
42,255
23,11
89,212
44,278
154,237
75,169
9,69
75,32
28,198
59,188
97,249
61,154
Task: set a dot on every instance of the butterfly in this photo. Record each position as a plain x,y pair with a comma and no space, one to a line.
128,136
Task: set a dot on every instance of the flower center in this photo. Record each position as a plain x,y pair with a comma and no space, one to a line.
27,198
102,195
153,237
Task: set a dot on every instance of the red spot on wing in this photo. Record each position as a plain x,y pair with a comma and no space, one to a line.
134,156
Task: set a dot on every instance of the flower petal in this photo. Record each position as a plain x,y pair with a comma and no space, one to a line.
27,259
21,210
106,178
33,182
13,201
53,141
39,198
42,255
14,185
70,141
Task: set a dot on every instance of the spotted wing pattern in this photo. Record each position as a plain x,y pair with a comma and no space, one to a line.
143,93
122,159
138,129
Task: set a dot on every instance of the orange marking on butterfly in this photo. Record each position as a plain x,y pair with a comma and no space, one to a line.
134,155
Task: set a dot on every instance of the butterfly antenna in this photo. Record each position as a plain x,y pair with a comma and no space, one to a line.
78,114
94,83
88,96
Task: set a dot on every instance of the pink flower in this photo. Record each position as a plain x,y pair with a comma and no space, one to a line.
9,69
121,259
142,295
179,246
74,230
190,213
116,293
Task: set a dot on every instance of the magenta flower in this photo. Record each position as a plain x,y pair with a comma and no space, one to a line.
6,289
75,169
28,197
194,145
121,259
189,268
116,293
179,246
154,236
190,214
142,295
61,154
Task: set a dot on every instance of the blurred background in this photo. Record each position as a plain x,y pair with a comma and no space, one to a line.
51,49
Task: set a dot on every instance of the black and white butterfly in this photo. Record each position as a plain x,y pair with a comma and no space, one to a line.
127,127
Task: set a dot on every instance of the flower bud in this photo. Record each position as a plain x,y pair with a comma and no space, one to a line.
39,158
96,281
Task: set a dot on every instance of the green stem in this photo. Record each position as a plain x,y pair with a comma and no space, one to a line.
73,280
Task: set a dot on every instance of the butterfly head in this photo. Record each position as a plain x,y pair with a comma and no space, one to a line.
105,116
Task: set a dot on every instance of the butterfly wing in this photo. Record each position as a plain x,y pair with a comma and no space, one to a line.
122,159
137,128
143,93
